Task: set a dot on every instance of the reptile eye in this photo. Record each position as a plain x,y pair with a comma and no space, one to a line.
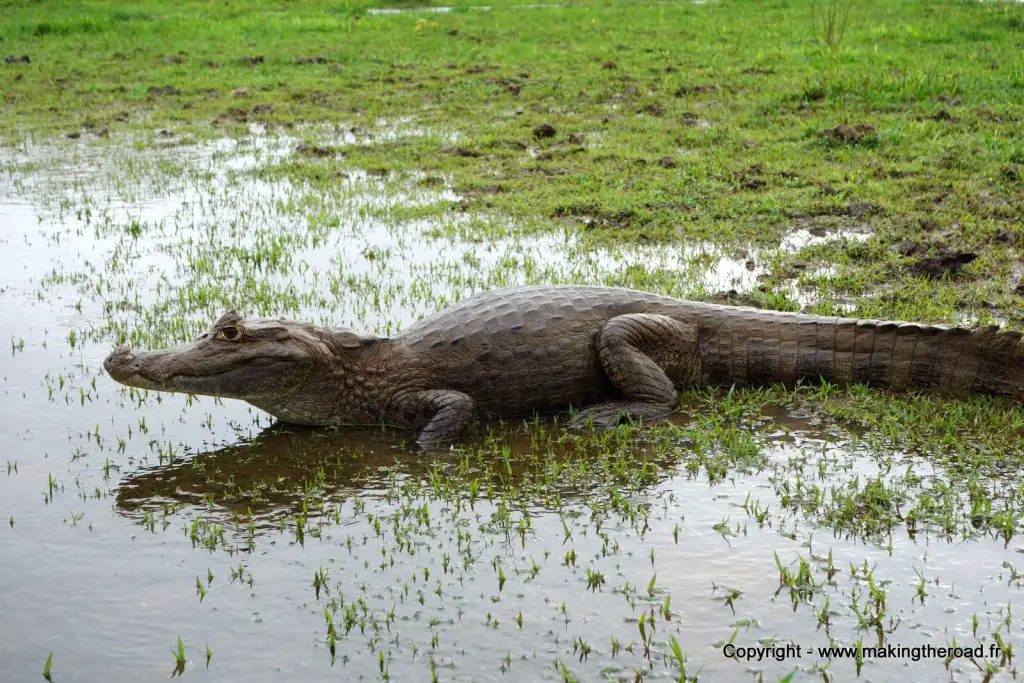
229,333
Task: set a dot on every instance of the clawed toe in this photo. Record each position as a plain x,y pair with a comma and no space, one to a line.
611,415
599,418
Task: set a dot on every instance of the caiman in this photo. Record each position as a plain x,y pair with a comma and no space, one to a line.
513,352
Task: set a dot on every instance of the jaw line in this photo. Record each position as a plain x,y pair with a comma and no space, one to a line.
214,375
141,381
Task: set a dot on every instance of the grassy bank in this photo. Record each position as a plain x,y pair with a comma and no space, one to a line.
734,122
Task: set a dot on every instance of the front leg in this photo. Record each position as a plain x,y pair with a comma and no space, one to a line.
646,356
442,413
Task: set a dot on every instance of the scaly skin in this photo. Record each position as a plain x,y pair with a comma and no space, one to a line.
539,349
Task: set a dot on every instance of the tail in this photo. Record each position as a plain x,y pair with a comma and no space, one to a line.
748,346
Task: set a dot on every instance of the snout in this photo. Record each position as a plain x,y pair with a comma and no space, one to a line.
140,369
160,370
121,364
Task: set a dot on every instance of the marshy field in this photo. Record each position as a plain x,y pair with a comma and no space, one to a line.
364,165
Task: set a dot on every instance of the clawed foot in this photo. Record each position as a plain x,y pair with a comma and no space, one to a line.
432,445
612,414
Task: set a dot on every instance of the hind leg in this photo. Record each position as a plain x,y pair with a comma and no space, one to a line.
646,356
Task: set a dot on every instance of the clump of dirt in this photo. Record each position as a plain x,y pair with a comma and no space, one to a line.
943,115
592,217
253,60
1003,236
762,297
691,120
852,209
316,59
685,90
163,90
680,207
456,151
895,173
946,263
908,247
862,209
512,87
240,115
850,134
751,178
14,59
479,191
316,150
731,297
544,130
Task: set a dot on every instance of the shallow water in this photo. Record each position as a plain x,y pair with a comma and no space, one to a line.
133,518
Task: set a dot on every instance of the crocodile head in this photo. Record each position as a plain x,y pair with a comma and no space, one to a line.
256,360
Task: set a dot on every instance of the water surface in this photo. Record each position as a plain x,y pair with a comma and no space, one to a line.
133,518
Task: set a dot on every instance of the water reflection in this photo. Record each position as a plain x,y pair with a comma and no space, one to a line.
288,470
266,475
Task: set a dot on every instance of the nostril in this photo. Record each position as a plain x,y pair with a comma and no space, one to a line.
119,359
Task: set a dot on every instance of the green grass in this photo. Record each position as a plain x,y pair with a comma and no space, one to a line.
695,121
